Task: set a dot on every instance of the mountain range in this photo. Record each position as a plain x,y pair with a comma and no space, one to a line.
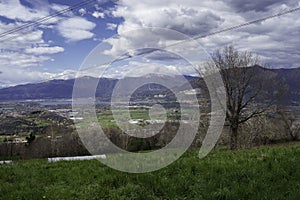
63,89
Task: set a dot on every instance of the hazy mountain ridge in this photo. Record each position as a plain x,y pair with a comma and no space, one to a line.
62,89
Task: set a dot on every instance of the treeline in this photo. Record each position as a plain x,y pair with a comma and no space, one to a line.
261,130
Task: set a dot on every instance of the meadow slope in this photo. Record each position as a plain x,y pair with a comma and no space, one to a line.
265,173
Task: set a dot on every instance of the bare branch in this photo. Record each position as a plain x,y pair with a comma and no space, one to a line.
248,86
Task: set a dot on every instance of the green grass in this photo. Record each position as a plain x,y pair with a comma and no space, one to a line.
42,124
139,114
106,118
267,173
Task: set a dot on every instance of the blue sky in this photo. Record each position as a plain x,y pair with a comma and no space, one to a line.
76,47
58,46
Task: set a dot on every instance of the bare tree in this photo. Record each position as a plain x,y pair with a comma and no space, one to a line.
251,90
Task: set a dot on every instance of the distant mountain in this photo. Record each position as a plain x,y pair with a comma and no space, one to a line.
292,80
62,89
54,89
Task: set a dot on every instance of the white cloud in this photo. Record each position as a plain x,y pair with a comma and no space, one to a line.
76,28
190,18
82,11
45,50
276,40
144,68
19,52
136,68
13,9
17,76
98,14
66,74
21,60
58,7
111,26
24,52
21,39
14,76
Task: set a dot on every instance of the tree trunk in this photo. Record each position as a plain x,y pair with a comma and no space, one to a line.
234,138
293,136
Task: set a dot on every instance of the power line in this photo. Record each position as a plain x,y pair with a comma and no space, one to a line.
46,18
236,27
249,23
26,32
39,24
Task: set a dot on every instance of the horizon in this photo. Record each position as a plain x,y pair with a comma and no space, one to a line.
116,78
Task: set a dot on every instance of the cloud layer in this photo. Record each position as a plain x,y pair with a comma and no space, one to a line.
276,40
76,29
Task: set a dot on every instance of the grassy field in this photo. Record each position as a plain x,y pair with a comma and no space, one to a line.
106,118
266,173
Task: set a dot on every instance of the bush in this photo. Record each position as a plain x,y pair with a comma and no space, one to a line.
31,138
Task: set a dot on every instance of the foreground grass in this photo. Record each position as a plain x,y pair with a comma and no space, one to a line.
267,173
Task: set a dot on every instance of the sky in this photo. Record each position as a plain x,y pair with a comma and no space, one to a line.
57,47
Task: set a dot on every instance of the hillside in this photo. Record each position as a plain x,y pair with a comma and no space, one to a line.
266,173
54,89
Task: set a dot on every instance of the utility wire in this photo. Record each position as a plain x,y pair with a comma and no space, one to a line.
236,27
26,32
249,23
39,24
46,18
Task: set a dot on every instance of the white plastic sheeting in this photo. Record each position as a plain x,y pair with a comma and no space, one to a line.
6,162
76,158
